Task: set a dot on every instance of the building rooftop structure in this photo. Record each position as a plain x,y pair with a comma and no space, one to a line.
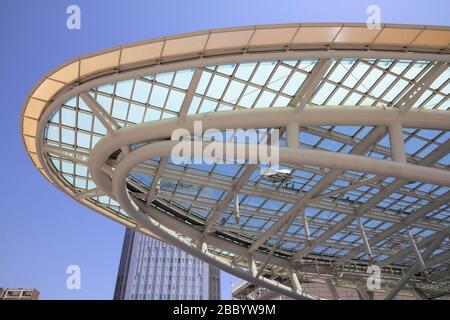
363,116
19,294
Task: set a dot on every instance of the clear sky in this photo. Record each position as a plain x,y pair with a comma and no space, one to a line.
42,230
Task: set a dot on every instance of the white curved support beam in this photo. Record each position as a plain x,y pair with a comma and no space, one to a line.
119,190
280,118
89,194
295,156
134,210
288,155
257,118
83,82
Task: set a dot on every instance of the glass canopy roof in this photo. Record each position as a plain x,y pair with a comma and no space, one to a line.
196,189
348,219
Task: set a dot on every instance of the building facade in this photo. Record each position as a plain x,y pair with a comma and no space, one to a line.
19,294
154,270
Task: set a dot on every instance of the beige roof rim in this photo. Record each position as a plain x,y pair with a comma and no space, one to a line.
213,43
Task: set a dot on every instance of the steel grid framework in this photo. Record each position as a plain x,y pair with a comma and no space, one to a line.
364,135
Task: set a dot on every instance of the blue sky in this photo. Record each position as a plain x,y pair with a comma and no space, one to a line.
42,231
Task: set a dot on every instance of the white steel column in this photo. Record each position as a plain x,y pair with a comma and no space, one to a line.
305,225
292,132
366,242
252,266
396,142
152,194
362,291
237,213
332,288
416,249
95,192
294,280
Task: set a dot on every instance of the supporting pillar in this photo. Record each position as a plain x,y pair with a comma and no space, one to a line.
292,132
252,266
362,291
204,246
295,282
305,225
366,242
416,249
396,142
332,288
236,208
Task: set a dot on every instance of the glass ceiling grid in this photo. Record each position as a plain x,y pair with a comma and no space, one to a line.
272,84
254,88
385,225
355,84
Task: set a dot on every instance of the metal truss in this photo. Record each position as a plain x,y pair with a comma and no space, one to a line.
364,137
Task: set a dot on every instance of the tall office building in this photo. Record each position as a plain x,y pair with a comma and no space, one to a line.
154,270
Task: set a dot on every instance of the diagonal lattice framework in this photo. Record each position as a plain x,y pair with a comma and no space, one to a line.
364,137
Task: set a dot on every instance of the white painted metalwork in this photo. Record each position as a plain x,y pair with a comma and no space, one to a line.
364,147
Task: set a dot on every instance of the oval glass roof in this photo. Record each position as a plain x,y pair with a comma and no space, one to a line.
342,208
